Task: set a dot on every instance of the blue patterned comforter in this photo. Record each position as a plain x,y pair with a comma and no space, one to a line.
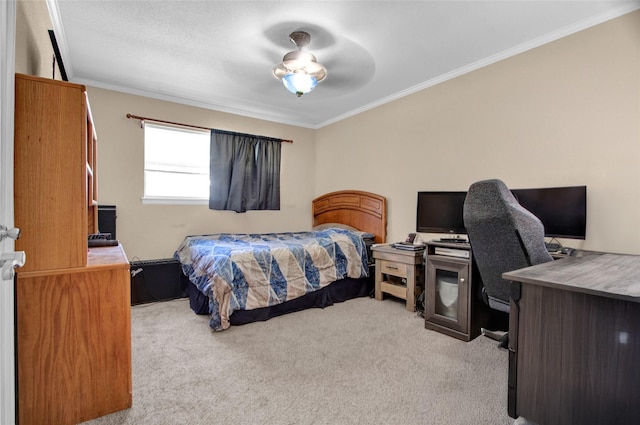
249,271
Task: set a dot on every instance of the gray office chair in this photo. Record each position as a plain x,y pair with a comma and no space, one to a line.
504,236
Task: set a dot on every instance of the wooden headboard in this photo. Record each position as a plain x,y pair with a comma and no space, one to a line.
365,211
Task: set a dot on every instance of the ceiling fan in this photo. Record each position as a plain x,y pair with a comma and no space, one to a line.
349,65
299,71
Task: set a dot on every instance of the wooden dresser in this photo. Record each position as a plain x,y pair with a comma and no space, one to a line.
73,320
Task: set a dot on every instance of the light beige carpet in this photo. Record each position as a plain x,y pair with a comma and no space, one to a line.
359,362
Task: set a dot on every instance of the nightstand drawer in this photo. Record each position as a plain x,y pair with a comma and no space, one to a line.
393,268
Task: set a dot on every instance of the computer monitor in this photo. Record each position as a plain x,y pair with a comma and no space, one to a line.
562,210
440,212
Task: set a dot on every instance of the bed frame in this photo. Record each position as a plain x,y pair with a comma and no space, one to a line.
365,211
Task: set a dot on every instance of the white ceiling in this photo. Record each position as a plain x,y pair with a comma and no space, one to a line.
219,54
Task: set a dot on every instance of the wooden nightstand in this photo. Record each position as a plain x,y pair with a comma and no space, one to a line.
399,273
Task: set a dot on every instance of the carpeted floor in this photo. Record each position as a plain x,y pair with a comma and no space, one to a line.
359,362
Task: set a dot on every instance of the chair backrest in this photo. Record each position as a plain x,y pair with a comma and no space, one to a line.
504,236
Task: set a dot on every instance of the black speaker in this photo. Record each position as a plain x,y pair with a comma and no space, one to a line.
156,280
107,219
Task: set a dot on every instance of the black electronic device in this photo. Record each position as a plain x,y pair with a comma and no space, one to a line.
157,280
440,212
410,238
97,240
99,243
107,219
562,210
453,240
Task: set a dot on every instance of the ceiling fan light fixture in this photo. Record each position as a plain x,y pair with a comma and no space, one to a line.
298,58
299,71
299,83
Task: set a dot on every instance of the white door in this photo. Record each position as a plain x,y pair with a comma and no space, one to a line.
7,349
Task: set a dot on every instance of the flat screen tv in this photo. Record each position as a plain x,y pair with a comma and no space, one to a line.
562,210
440,212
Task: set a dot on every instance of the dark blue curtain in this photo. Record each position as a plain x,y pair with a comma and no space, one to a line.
244,172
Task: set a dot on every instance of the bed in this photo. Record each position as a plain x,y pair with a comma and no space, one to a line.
243,278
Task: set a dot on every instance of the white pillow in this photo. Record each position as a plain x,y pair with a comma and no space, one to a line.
333,226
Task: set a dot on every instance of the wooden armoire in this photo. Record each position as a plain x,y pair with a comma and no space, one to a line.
73,319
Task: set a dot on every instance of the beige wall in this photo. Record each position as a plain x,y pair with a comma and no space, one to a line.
155,231
34,53
566,113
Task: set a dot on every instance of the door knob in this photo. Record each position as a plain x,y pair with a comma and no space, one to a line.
10,261
9,233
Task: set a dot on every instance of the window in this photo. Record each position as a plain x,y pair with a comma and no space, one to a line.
176,164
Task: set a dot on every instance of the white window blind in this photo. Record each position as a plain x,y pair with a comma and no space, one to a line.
176,163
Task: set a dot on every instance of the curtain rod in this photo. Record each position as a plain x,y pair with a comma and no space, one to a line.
131,116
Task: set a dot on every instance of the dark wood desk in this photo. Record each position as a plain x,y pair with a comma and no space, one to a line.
574,349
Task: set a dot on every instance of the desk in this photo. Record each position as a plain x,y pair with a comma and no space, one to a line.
574,341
